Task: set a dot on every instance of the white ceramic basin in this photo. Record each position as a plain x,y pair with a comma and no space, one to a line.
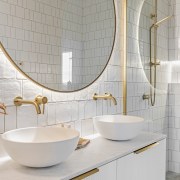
40,146
118,127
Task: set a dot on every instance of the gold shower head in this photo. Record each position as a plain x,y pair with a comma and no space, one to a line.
163,20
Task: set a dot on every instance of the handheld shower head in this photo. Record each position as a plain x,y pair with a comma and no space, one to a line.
161,21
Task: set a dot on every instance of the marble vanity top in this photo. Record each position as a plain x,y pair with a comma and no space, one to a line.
99,152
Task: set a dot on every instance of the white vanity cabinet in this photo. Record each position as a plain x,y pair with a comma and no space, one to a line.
147,163
106,172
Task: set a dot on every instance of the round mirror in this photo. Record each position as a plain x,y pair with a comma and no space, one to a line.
62,45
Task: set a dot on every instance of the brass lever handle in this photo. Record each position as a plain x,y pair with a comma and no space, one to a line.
41,100
146,96
155,63
85,175
145,148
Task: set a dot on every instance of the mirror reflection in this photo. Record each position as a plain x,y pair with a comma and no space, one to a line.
153,37
63,45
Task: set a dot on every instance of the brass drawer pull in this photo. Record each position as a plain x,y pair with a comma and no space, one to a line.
85,175
146,148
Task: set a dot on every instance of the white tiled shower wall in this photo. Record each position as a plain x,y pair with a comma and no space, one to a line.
138,48
76,108
164,116
138,60
174,90
174,38
174,127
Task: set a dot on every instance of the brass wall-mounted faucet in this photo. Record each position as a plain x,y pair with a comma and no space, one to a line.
18,101
106,96
3,107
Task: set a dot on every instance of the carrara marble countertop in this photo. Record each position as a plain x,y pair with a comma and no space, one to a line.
99,152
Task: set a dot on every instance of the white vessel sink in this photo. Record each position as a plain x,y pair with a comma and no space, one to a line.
118,127
40,146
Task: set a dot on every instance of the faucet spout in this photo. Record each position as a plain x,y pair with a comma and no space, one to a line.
38,110
114,100
18,101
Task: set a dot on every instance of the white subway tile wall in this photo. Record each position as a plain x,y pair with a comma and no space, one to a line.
174,89
138,55
139,22
165,115
174,127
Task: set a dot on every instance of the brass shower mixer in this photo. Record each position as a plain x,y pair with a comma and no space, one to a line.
155,63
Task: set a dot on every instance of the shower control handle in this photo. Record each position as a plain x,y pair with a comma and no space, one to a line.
155,63
146,96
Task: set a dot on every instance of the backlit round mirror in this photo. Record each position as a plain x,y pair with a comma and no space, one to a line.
153,35
63,45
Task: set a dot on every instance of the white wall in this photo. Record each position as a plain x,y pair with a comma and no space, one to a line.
156,117
164,116
138,84
174,127
174,90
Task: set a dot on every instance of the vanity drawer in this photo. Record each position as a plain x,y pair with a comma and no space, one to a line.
106,172
147,163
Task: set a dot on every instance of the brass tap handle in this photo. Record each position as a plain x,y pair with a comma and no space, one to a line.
41,100
158,63
94,96
3,107
18,101
146,96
